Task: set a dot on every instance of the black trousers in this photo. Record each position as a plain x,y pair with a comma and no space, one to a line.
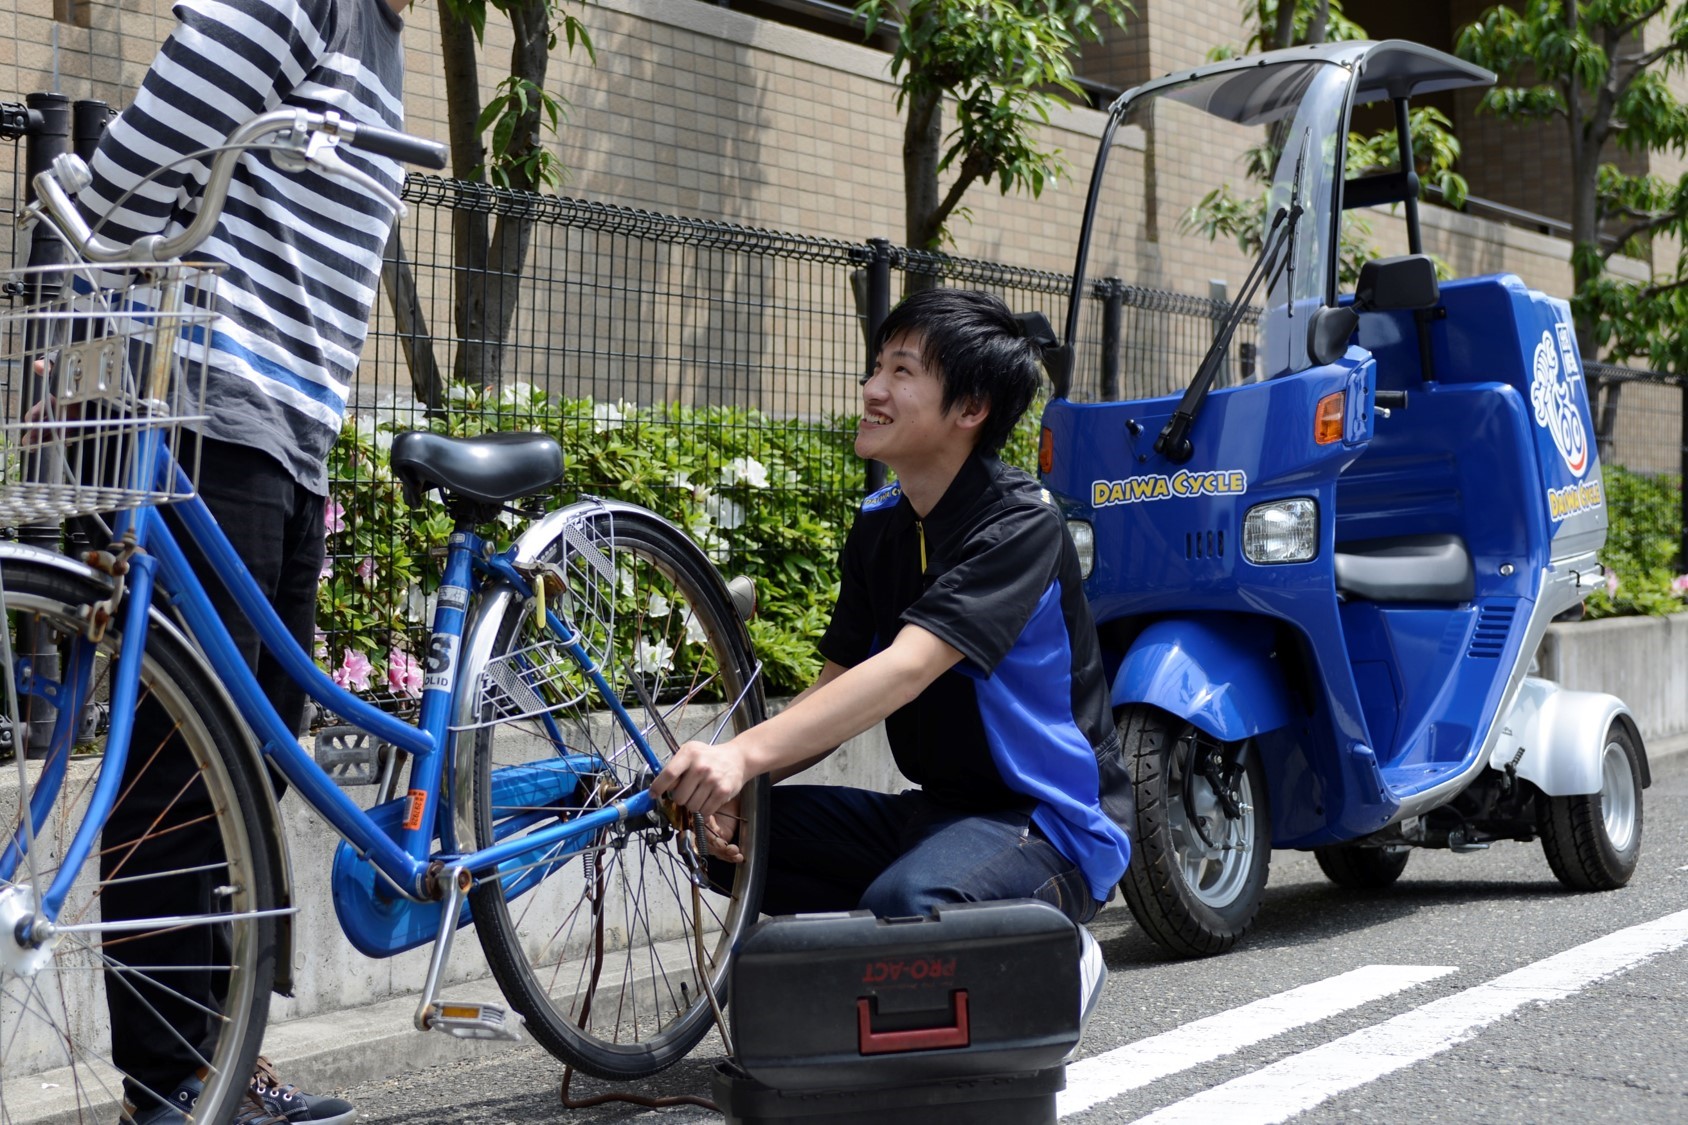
165,1014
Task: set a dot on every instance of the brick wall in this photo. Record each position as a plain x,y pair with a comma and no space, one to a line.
699,110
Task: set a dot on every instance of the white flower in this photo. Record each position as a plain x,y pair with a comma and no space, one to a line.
652,656
680,479
517,393
418,607
746,469
461,393
624,581
726,513
607,417
694,629
658,606
383,440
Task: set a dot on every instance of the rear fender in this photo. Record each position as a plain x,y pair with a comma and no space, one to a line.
1220,672
1556,737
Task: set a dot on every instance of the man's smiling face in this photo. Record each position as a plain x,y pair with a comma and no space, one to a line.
903,416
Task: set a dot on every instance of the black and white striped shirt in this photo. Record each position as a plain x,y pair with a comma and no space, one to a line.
303,250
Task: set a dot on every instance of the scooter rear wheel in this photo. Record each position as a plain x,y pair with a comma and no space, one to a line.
1593,841
1198,867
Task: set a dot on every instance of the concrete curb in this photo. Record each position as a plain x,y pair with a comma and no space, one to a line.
343,1048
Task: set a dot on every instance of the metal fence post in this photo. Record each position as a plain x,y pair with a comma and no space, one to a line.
1682,481
878,308
47,138
89,118
1112,292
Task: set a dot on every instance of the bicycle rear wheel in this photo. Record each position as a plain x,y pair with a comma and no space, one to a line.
181,859
615,956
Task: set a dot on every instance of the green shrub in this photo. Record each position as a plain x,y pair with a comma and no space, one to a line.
1642,575
766,497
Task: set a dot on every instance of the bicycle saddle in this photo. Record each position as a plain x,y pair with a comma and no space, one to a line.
492,468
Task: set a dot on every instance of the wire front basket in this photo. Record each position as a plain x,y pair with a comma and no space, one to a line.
538,675
101,368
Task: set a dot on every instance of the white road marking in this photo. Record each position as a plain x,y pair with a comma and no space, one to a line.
1300,1082
1094,1080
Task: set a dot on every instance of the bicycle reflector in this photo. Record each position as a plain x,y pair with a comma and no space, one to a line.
1328,418
1045,450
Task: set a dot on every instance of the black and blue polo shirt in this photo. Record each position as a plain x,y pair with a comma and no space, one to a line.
1017,723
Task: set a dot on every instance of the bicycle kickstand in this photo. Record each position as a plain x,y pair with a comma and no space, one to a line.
461,1019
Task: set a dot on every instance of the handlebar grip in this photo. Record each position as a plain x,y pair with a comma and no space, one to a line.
399,146
1391,400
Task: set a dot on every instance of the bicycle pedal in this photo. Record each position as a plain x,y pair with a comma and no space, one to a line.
351,756
467,1020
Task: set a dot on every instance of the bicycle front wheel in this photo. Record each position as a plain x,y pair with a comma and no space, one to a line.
162,962
610,948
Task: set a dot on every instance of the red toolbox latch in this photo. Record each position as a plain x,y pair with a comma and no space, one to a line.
913,1038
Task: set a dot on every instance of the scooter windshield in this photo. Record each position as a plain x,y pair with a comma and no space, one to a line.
1190,178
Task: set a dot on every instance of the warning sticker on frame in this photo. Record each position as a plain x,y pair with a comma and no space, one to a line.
437,666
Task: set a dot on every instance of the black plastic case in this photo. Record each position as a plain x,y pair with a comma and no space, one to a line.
845,1017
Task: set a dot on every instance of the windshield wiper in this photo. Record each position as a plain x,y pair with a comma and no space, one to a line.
1174,440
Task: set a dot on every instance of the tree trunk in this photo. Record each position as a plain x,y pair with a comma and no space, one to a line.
399,281
1283,35
487,297
923,137
468,225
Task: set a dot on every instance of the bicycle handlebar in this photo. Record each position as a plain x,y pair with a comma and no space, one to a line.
302,138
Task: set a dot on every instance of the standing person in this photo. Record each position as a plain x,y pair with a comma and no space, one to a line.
303,255
961,622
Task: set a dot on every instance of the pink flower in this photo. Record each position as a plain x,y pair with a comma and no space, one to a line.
1679,585
327,569
333,517
404,674
366,570
1611,584
321,649
354,671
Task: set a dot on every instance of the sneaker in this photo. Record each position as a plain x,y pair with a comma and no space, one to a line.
1092,971
172,1111
272,1099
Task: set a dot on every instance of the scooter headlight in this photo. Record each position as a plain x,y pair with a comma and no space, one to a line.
1084,538
1284,531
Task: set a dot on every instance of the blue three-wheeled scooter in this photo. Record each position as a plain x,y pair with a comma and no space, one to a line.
1320,585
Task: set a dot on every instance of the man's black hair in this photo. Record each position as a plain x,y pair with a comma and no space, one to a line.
979,350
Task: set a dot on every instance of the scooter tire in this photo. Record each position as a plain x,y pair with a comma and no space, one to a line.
1593,841
1362,869
1185,920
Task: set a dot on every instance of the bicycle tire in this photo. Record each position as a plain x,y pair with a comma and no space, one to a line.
56,1057
599,957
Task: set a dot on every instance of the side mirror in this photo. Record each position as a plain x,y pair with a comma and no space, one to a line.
1328,333
1407,282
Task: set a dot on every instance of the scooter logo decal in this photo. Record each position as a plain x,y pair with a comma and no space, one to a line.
1180,485
1552,395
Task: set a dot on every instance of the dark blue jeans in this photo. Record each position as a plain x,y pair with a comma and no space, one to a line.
164,1020
904,854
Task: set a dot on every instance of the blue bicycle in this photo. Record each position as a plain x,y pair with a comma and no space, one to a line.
559,674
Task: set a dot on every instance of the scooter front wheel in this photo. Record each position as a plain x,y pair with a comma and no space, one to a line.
1203,843
1593,842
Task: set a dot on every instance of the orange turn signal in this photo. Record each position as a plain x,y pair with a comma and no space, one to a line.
1328,419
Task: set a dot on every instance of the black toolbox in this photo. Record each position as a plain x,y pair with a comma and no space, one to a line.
965,1017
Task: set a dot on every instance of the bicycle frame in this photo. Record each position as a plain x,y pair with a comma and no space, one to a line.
407,860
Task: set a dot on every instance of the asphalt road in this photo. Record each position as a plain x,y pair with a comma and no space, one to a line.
1476,989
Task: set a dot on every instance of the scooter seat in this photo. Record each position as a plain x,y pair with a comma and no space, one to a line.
1407,568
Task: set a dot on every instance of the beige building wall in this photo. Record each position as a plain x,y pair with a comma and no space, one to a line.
699,110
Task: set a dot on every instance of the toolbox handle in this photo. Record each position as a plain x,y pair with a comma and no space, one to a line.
914,1038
